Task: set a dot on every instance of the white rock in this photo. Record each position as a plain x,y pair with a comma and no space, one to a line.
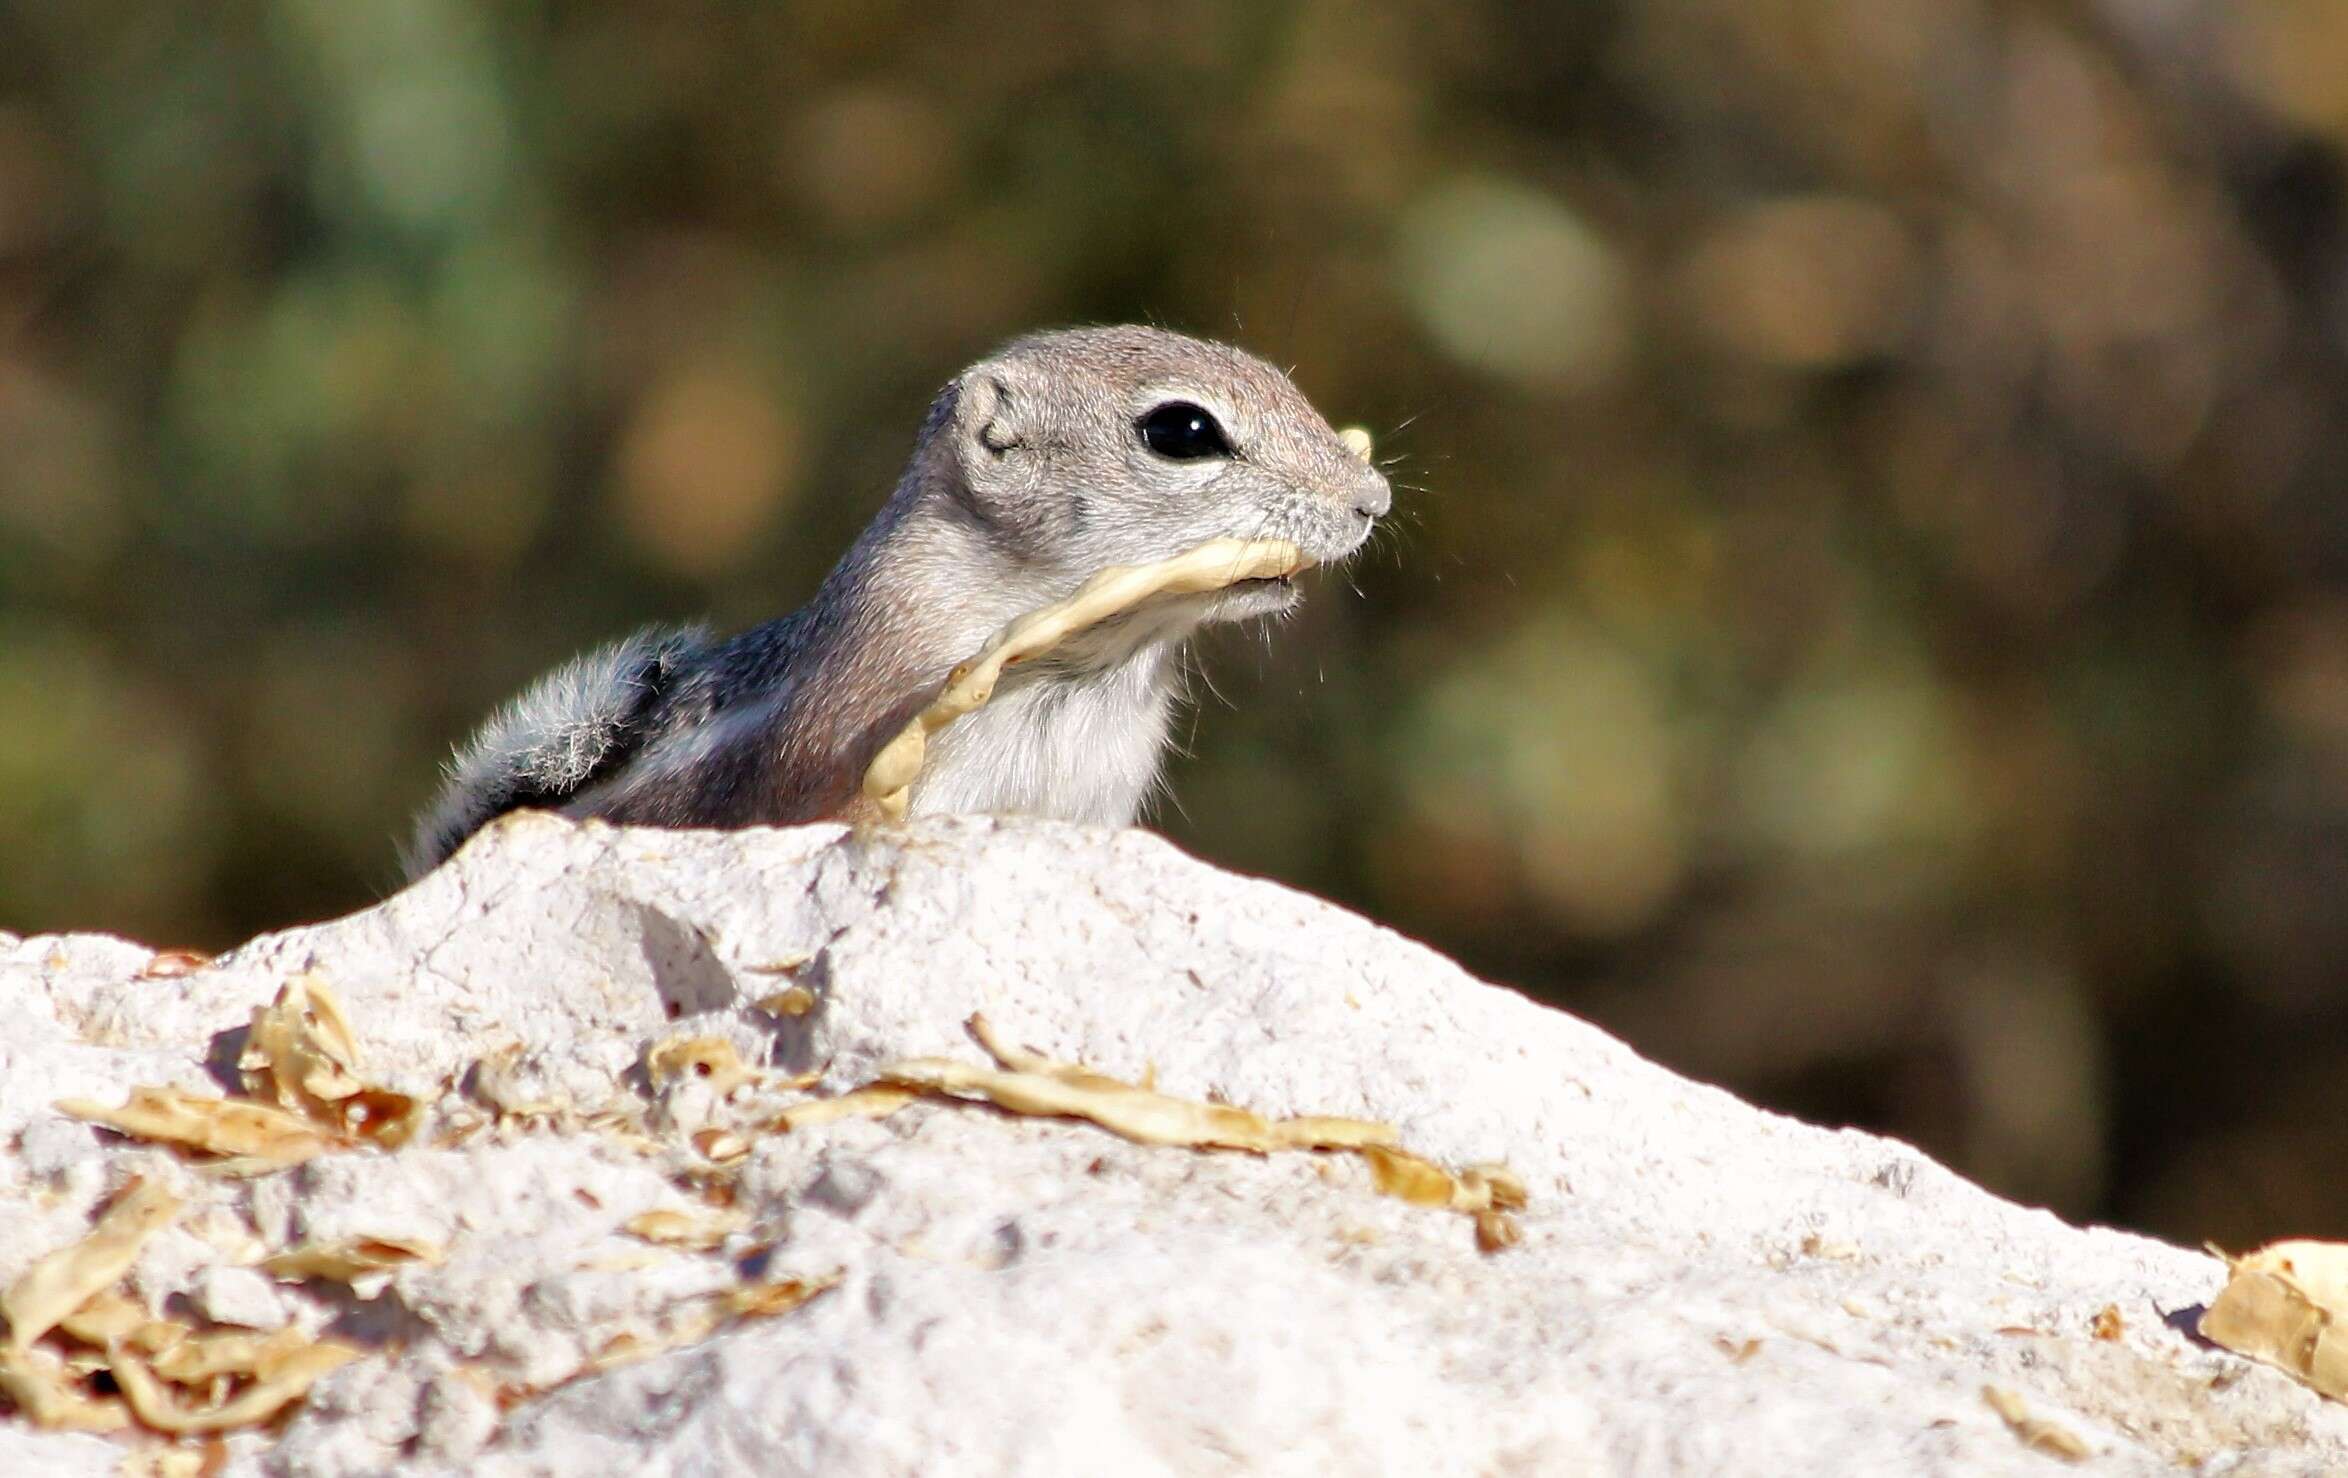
1702,1287
226,1294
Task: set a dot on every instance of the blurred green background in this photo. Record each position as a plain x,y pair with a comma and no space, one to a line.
1868,614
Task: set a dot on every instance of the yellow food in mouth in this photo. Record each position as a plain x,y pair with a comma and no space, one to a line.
1217,564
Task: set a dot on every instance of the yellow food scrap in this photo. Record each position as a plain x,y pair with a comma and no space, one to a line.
380,1116
171,964
765,1300
346,1258
1497,1185
108,1319
700,1231
1218,563
703,1317
1422,1182
2287,1305
156,1405
720,1145
2036,1432
791,1000
64,1280
1138,1114
198,1359
302,1055
301,1068
1486,1193
172,1377
71,1293
48,1396
230,1127
862,1103
1029,1083
1026,1082
711,1059
1407,1177
300,1050
1497,1231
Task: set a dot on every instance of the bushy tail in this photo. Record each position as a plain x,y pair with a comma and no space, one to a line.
573,726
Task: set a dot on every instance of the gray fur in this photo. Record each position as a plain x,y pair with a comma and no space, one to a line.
1028,476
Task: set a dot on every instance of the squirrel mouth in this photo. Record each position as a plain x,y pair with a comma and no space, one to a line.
1262,595
1285,580
1277,588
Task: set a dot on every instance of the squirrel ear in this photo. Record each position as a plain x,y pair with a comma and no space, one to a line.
993,434
992,414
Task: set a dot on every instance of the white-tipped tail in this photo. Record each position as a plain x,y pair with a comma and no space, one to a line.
573,725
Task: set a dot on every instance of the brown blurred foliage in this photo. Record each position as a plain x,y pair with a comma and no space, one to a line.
1868,619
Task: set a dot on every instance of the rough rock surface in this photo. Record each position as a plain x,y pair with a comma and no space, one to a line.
1701,1287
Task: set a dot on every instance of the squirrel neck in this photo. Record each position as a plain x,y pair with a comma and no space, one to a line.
924,588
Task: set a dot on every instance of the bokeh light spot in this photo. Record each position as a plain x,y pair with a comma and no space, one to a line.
1510,280
711,455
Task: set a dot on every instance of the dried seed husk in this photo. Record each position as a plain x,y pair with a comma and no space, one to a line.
152,1401
234,1127
1138,1114
713,1060
109,1318
2287,1305
172,964
791,1000
766,1300
2036,1432
200,1358
1027,1082
1495,1186
1030,1083
382,1117
1412,1178
345,1259
720,1145
63,1280
300,1052
47,1395
302,1055
876,1102
701,1231
1497,1231
704,1317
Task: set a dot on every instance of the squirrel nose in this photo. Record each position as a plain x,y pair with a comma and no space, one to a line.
1371,497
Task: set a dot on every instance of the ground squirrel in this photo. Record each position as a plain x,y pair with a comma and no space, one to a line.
1062,453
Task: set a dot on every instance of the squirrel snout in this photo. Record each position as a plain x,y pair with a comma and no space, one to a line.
1371,497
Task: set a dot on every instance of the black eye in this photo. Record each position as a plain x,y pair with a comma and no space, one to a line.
1182,432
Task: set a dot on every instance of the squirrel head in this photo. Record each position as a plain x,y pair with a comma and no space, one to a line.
1082,448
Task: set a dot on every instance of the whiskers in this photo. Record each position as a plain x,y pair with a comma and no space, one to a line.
1389,537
